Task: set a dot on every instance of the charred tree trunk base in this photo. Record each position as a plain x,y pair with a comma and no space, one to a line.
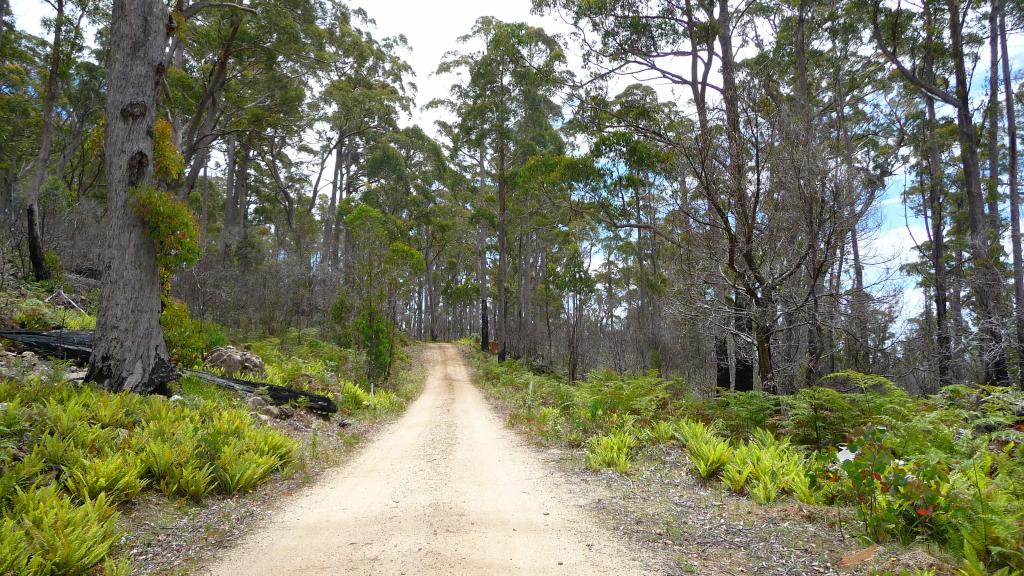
105,371
35,245
485,336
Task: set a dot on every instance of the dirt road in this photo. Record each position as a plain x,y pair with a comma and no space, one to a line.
447,489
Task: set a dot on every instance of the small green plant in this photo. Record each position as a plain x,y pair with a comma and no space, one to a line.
20,475
188,340
117,567
384,402
13,547
611,450
353,398
799,483
736,472
65,538
821,416
268,442
743,412
765,490
110,410
59,451
605,396
240,470
117,476
896,499
661,433
193,480
546,422
709,454
168,163
691,430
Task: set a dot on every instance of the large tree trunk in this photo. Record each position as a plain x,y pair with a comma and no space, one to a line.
934,162
481,274
938,245
428,272
485,334
129,352
1011,130
235,197
992,192
230,202
35,230
987,278
502,256
328,243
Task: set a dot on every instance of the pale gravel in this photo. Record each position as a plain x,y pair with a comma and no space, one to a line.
447,489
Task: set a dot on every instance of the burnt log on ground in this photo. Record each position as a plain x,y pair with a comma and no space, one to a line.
273,393
76,345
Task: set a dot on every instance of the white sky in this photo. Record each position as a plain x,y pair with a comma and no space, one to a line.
432,27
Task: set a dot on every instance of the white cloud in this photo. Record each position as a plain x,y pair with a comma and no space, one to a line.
432,29
28,14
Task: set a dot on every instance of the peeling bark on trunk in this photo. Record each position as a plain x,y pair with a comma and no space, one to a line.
130,353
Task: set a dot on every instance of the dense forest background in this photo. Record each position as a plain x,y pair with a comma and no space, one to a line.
677,186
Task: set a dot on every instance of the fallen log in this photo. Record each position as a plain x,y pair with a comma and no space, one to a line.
73,345
76,345
273,393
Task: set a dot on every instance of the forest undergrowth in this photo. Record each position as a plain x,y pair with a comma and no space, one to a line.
75,460
943,471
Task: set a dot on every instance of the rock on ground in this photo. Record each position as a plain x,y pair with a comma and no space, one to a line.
234,361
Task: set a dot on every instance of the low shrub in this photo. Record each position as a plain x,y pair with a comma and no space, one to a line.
605,396
240,470
546,423
194,480
352,398
612,450
660,433
736,472
34,314
188,340
81,451
118,476
820,416
898,500
708,452
64,538
743,412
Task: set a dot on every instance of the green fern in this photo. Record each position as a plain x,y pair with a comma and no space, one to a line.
64,538
611,450
117,476
117,567
736,472
13,548
58,450
269,442
239,470
765,490
193,481
708,453
660,433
